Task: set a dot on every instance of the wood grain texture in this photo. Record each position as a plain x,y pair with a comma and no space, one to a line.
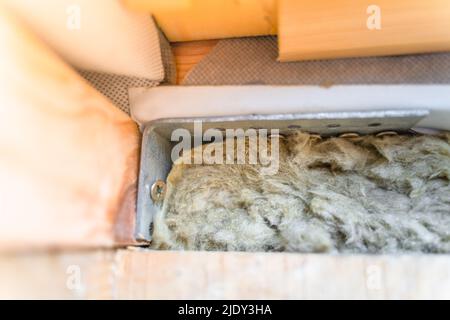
338,28
188,20
188,54
145,274
110,39
219,275
68,157
69,275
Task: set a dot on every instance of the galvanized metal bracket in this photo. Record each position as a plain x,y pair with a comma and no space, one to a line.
157,145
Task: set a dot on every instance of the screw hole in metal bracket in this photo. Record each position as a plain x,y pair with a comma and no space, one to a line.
158,191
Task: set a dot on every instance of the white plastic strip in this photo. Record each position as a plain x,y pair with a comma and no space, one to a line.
204,101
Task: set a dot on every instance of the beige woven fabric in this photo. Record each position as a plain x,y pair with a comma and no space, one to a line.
254,61
115,87
168,59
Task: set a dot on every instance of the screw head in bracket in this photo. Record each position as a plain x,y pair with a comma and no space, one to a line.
349,135
386,133
158,191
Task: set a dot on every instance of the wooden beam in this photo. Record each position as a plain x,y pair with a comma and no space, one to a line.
68,157
219,275
145,274
69,275
188,54
325,29
188,20
98,35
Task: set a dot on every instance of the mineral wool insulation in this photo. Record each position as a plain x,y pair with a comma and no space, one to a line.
363,195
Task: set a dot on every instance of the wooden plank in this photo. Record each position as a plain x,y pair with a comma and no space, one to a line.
339,28
188,54
96,35
68,157
219,275
70,275
145,274
187,20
